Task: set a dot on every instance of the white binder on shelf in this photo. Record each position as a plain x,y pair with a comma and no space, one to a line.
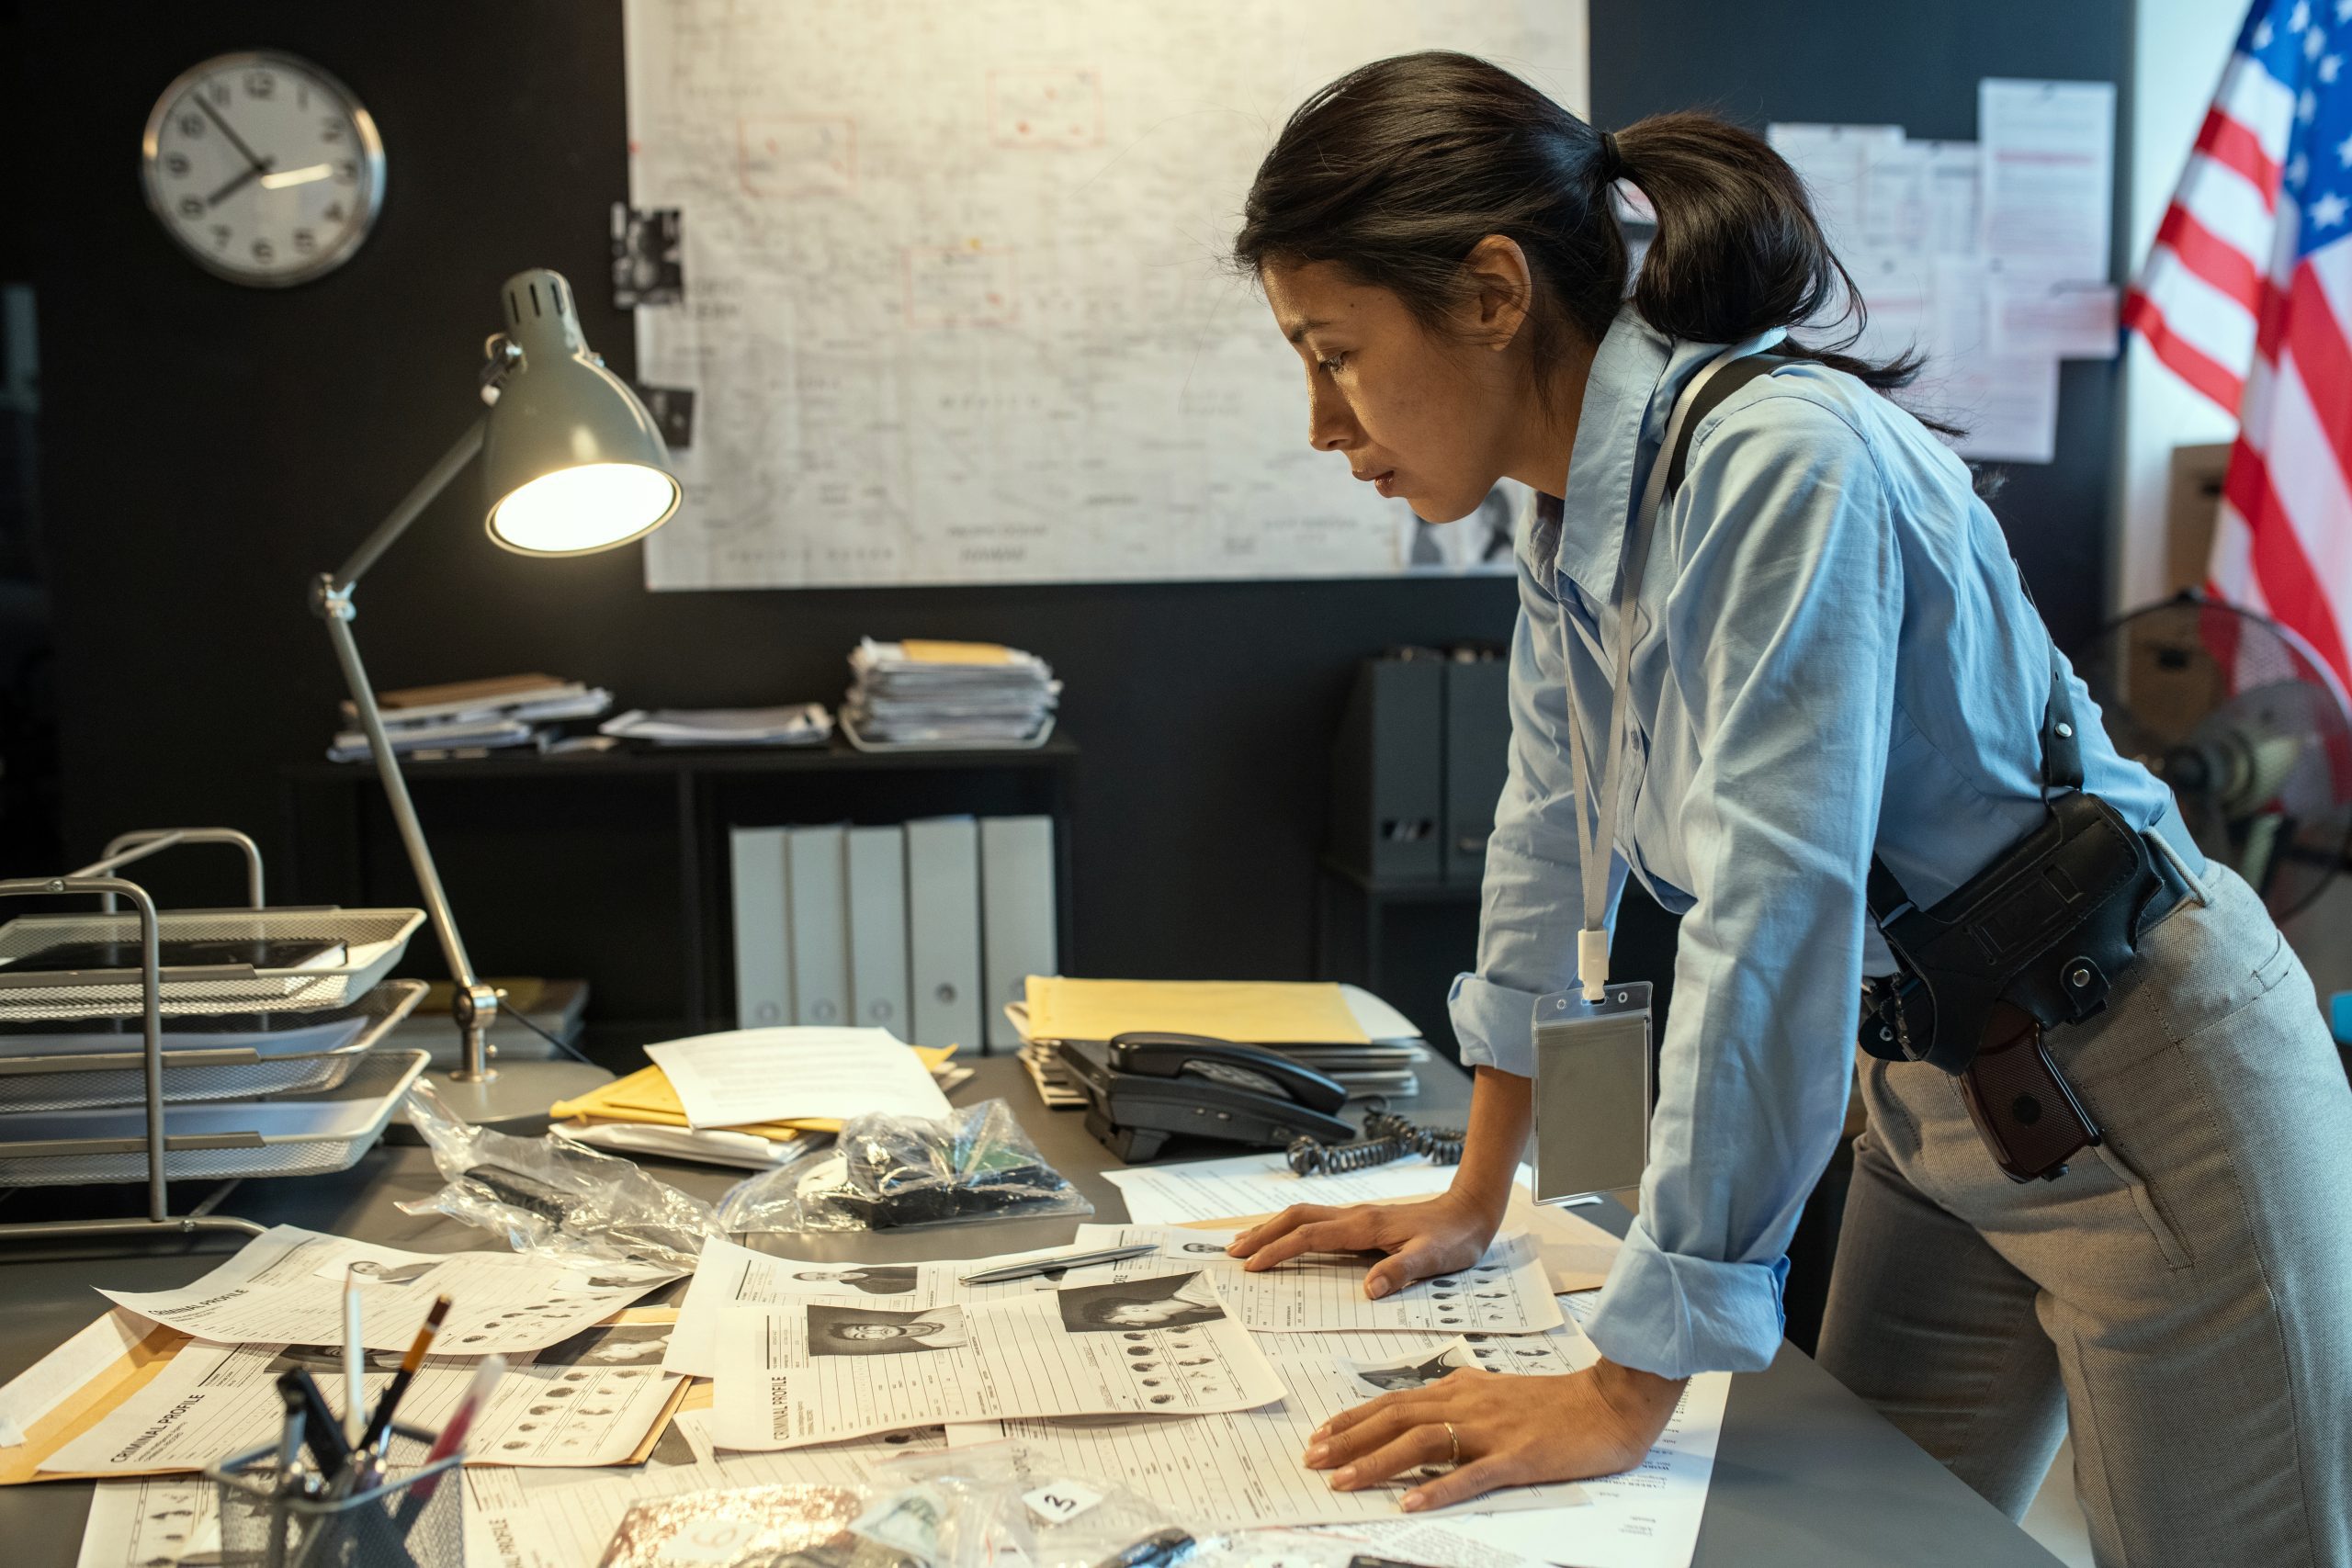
816,889
877,930
944,932
1016,915
763,927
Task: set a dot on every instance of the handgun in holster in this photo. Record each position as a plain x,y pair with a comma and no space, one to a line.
2034,942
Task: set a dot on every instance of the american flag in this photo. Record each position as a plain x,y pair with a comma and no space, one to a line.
2248,296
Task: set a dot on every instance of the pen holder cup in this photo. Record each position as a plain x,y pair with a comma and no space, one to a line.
414,1517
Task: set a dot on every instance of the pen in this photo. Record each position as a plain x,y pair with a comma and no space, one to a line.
1159,1550
378,1438
453,1436
322,1434
355,1360
289,1438
1064,1260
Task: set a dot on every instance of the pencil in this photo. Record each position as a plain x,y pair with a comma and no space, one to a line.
378,1435
355,1360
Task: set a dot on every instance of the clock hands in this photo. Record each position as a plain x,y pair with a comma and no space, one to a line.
245,176
261,166
297,176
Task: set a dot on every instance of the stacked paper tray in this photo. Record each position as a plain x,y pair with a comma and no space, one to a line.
296,1134
373,940
63,1065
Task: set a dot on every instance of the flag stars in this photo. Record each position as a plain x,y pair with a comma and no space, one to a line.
2262,36
2300,17
2298,170
2306,106
2329,67
2344,10
2314,41
2328,211
2343,151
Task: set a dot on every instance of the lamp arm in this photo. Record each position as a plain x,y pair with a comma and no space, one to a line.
387,533
475,1005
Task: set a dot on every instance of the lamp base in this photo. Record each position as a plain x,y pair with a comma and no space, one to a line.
521,1092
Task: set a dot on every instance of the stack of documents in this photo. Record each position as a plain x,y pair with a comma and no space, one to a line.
1342,1031
795,723
505,710
948,694
644,1112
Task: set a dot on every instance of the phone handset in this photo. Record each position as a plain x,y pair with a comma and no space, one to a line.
1163,1056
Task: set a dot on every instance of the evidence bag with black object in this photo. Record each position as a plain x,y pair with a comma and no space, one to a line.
1143,1089
2035,940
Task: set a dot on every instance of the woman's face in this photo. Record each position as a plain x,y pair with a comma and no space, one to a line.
882,1330
1146,1314
1419,413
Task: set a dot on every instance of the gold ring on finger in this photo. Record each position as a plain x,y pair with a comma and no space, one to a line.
1453,1445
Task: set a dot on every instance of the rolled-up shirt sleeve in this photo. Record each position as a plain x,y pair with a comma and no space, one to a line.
1782,623
1531,904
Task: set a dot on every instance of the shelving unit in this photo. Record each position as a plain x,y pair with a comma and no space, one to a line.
657,960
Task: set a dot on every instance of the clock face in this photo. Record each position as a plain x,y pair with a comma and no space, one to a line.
263,167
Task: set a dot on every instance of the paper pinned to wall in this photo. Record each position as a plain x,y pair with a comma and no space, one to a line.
1988,258
2049,172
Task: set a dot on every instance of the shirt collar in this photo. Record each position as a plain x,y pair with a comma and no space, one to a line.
1629,395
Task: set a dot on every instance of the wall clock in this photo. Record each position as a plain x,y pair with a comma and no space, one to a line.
264,168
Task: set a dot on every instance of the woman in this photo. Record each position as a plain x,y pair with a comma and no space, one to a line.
1830,655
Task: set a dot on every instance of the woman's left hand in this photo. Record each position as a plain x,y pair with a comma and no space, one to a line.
1507,1431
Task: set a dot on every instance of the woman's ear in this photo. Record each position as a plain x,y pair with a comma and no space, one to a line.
1502,289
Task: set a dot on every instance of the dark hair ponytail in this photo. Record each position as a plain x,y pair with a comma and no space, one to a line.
1398,168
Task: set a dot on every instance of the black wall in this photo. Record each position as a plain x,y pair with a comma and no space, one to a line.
209,447
1914,63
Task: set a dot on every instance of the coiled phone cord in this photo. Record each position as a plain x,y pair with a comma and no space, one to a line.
1388,1136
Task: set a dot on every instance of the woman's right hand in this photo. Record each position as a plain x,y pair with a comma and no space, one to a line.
1437,1236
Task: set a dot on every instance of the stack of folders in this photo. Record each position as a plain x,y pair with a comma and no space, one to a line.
926,929
643,1114
1344,1033
505,710
795,723
918,694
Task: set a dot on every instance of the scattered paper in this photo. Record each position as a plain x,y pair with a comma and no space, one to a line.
1257,1184
1162,1344
1504,1292
729,1274
563,1518
151,1524
286,1287
1244,1470
2048,172
591,1401
770,1075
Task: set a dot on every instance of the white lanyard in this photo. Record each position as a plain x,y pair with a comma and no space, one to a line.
1597,843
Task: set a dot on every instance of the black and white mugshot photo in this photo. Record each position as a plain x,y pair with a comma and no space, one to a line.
1164,1301
870,1331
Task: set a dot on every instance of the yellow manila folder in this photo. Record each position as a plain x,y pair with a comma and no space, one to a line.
1256,1012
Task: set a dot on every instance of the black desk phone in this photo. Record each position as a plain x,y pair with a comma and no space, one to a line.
1143,1089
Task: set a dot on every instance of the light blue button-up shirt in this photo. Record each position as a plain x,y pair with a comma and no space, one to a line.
1833,651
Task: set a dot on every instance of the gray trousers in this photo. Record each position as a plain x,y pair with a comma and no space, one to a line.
2181,1299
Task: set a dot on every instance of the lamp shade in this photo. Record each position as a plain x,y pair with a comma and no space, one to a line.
572,462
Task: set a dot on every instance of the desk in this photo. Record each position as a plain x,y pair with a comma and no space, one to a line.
1807,1476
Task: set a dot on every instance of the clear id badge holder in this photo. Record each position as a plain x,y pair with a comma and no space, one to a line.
1593,1091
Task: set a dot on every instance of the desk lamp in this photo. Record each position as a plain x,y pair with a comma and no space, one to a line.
573,465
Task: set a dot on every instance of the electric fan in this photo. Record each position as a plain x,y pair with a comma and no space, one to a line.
2237,713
